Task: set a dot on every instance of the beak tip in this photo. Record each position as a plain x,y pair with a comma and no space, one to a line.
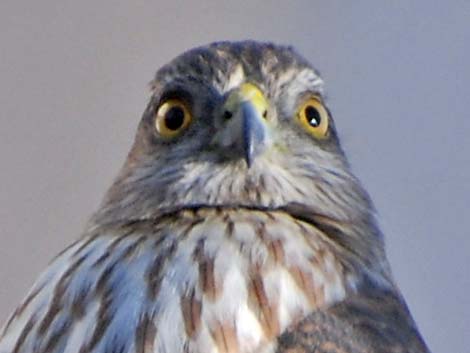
249,151
248,161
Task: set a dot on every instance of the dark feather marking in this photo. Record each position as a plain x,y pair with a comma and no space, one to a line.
154,277
329,228
154,273
304,281
322,191
57,336
230,226
159,241
101,259
278,185
247,187
262,182
193,223
56,304
145,335
78,306
24,334
219,189
225,337
109,250
191,309
109,228
132,248
104,318
23,306
258,195
65,250
260,231
115,346
295,187
102,281
230,187
276,249
266,311
207,282
85,244
270,215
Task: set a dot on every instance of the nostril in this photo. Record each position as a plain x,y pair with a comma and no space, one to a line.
265,113
228,115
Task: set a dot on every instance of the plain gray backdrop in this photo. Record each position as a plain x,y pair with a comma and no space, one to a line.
74,81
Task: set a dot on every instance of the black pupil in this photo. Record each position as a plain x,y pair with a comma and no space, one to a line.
313,116
174,118
227,115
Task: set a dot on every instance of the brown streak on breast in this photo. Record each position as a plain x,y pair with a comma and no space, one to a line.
331,274
230,227
275,247
191,310
276,250
266,312
207,281
305,282
209,286
225,337
309,235
145,336
260,230
317,263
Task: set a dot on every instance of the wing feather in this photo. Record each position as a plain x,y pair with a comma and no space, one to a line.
376,320
75,305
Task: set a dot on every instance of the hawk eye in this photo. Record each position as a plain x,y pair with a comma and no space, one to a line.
172,118
313,117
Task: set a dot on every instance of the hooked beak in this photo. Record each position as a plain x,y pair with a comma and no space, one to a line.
248,127
253,132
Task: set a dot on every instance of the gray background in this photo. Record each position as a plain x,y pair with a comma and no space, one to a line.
73,84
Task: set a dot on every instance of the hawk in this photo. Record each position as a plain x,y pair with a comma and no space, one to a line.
234,226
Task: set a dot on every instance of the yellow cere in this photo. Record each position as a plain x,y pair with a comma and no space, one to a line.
248,92
172,118
313,117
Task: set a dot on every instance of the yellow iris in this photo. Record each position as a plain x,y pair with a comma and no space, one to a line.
314,118
172,118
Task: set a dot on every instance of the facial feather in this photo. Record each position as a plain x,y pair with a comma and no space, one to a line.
190,171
